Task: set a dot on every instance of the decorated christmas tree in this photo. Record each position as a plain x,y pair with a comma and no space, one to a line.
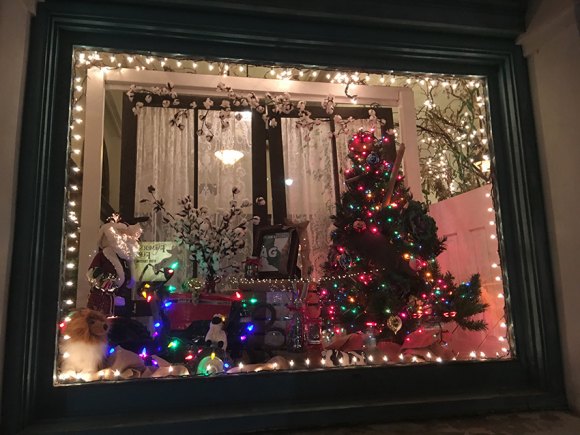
382,271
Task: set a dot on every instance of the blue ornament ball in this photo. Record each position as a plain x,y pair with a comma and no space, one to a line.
373,158
345,261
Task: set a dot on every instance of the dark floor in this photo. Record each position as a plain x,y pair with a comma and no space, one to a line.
537,423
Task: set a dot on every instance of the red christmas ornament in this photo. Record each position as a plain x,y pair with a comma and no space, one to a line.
359,225
416,264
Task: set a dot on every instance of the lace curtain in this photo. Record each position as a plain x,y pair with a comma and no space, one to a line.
166,160
310,197
216,180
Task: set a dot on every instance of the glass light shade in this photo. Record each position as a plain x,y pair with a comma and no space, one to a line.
229,157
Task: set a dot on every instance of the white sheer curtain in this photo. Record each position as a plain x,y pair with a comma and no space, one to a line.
310,197
166,160
216,179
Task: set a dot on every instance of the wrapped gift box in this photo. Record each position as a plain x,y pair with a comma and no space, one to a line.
182,311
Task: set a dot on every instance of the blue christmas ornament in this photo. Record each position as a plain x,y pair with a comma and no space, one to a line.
373,158
345,261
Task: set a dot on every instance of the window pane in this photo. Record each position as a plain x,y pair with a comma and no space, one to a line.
259,218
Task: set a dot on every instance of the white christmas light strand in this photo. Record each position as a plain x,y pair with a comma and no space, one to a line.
306,364
300,280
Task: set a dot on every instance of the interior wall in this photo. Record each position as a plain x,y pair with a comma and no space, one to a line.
552,46
14,29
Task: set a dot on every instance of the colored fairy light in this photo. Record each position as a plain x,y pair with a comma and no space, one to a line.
250,327
168,304
157,324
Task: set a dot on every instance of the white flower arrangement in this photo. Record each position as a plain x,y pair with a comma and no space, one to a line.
208,238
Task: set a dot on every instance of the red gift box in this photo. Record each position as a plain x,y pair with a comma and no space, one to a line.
181,310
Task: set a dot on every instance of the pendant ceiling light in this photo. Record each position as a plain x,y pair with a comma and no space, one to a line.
229,157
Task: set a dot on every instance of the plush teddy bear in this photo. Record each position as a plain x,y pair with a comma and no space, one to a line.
112,270
216,334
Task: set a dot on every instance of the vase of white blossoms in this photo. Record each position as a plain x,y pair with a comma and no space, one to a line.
209,237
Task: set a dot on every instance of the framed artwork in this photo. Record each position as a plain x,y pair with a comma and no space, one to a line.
277,249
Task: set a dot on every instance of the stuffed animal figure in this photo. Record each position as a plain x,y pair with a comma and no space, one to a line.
112,270
83,346
216,336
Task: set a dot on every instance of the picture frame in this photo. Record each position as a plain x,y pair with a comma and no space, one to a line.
277,248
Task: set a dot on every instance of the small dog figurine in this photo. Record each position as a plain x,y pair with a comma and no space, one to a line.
83,346
216,334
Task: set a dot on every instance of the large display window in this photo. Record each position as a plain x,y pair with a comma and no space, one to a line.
259,218
262,229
